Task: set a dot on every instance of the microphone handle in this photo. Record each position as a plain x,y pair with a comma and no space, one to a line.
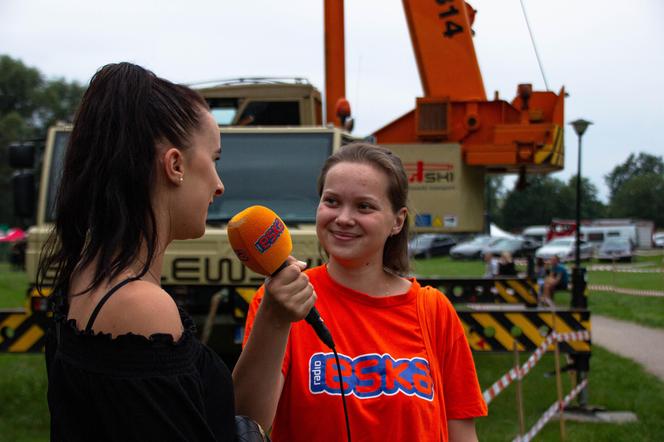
314,319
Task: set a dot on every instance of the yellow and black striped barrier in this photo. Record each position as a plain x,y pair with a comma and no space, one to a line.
499,330
23,330
501,290
496,314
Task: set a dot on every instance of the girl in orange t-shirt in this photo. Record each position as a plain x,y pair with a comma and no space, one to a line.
401,382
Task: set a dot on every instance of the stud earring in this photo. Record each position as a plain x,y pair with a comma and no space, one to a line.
181,179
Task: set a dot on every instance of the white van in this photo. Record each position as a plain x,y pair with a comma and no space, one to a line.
596,235
538,233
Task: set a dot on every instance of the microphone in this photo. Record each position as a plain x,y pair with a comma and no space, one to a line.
262,242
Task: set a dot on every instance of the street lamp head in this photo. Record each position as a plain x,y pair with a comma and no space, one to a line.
580,126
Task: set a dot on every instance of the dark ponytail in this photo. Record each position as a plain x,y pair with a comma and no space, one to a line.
103,209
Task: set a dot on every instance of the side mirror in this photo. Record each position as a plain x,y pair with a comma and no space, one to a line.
22,155
23,185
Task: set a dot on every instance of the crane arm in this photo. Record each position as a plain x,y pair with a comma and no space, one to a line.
440,31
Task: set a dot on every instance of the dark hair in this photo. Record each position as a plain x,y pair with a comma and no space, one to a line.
103,209
395,254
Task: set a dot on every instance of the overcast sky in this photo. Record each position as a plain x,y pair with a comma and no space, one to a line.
608,54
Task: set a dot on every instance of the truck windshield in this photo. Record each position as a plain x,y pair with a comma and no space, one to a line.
273,169
277,170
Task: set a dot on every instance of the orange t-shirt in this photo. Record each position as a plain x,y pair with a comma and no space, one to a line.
386,373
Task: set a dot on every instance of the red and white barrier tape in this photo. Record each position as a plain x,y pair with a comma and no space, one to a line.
625,291
516,373
623,269
552,411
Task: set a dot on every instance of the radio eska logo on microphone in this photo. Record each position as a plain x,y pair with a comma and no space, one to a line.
370,375
270,236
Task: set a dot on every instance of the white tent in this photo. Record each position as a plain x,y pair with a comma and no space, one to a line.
497,232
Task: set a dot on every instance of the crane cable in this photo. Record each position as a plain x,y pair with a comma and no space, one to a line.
532,39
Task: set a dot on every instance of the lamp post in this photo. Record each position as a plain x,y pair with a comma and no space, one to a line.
578,275
579,298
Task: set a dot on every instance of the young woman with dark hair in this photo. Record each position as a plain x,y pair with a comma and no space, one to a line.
407,370
123,362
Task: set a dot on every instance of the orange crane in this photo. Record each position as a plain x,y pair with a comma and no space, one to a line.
523,136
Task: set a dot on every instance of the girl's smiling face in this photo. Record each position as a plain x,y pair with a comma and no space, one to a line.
355,216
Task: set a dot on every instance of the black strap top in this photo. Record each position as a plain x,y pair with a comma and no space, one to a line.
106,297
135,388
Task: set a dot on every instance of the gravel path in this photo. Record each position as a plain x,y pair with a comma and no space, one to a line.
644,345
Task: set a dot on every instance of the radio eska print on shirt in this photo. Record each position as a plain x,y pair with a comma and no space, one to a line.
370,375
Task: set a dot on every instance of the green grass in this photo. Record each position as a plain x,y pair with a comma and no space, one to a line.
641,310
444,266
609,387
13,286
23,413
643,281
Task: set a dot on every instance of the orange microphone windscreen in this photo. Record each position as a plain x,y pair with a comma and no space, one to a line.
260,239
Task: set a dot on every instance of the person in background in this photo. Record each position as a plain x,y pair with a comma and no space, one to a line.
123,362
540,276
506,265
408,373
557,279
490,265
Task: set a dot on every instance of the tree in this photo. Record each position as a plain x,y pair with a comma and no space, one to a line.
546,198
591,206
19,87
640,197
494,192
29,104
634,166
536,204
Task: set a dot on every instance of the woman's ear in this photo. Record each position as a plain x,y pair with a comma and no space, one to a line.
399,220
173,165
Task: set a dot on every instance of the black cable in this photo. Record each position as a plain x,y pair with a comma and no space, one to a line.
343,396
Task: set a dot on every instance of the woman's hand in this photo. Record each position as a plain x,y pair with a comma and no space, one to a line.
257,376
289,296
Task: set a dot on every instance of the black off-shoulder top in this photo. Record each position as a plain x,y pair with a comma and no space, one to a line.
134,388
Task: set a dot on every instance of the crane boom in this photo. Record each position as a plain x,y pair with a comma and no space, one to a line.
441,35
524,135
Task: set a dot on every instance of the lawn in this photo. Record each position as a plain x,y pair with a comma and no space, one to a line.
13,286
24,416
644,281
609,387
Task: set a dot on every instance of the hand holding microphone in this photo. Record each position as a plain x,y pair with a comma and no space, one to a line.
262,242
289,293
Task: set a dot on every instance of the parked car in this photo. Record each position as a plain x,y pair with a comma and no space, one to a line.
658,239
517,247
472,249
427,245
564,249
615,249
